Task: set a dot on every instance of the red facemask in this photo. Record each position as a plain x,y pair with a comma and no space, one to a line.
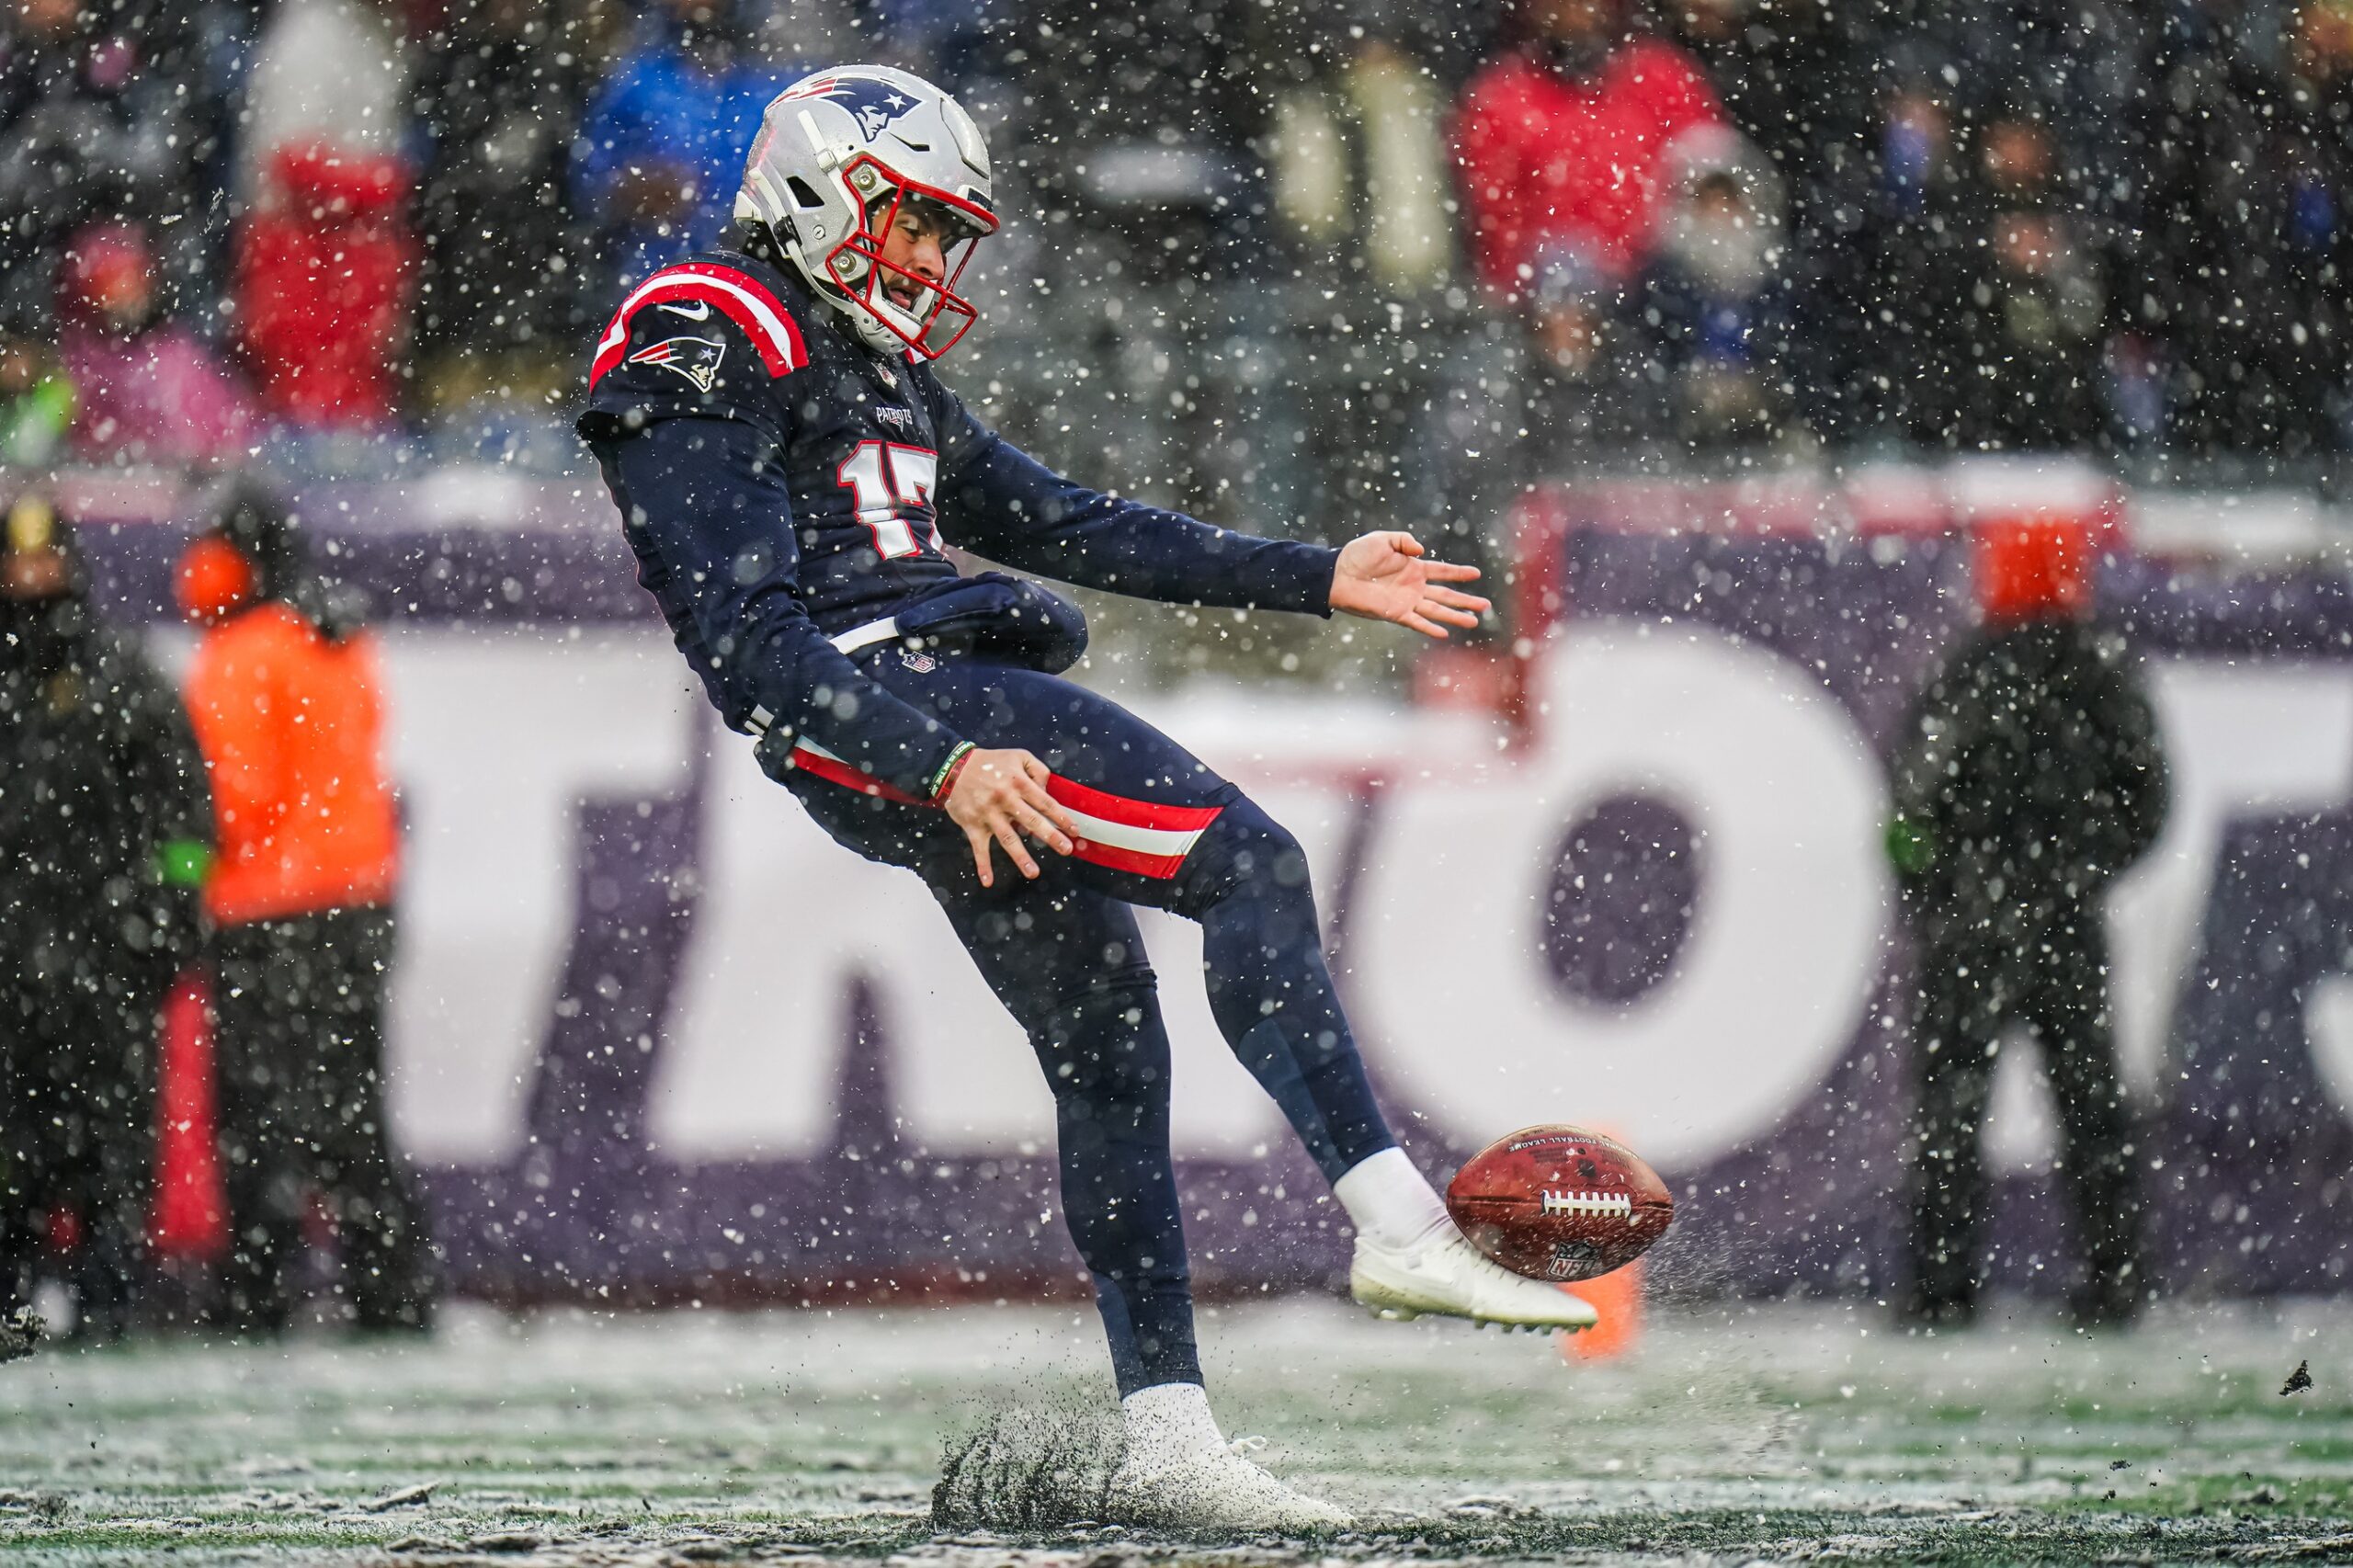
942,315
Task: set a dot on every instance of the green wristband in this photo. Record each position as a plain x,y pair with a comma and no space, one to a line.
946,769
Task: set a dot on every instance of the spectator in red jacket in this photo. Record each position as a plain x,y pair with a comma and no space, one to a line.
1562,145
325,270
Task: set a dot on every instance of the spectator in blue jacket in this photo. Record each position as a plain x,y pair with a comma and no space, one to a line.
662,144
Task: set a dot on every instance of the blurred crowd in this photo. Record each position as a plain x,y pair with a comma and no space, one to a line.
231,225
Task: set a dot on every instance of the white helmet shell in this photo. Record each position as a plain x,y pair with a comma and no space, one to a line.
838,152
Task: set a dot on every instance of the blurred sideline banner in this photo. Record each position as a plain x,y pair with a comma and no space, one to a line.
656,1039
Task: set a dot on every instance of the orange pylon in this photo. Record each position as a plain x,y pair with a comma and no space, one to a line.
1617,1297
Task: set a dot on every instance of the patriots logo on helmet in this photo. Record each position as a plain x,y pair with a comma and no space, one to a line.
876,104
697,359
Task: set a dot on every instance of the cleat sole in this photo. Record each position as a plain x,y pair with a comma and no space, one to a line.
1404,1301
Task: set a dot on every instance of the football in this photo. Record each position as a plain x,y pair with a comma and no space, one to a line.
1560,1203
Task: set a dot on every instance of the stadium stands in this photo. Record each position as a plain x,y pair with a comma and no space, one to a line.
2112,228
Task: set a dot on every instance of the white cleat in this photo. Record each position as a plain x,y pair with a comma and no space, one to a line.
1445,1275
1214,1487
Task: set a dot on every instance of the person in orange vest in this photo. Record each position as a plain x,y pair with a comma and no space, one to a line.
283,692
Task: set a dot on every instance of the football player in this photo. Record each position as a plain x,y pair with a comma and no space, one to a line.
788,468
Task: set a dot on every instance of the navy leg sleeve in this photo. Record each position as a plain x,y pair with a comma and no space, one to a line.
1070,965
1269,988
1173,836
1158,829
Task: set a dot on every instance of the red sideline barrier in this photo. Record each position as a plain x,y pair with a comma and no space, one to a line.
190,1217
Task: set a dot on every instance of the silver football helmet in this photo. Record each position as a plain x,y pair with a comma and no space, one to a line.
838,154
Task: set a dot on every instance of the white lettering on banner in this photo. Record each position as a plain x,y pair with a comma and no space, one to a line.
498,734
2239,737
788,918
2022,1114
495,736
1793,906
2328,1024
785,920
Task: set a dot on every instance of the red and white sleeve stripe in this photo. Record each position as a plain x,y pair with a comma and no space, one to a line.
743,298
1131,835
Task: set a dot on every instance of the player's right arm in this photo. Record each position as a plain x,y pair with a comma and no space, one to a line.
690,423
689,415
710,516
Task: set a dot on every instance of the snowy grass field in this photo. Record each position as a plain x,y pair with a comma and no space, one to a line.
1733,1434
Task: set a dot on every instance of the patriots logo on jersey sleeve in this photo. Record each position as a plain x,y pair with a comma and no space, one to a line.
876,104
697,359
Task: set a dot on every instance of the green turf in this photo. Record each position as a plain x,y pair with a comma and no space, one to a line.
1782,1434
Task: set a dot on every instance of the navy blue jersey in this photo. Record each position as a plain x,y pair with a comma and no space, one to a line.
781,484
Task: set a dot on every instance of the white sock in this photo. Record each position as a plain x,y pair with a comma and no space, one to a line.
1169,1419
1391,1204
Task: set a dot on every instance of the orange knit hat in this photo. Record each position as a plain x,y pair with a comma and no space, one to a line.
214,581
2034,568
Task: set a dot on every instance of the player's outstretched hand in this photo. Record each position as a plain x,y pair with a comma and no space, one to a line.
996,798
1385,576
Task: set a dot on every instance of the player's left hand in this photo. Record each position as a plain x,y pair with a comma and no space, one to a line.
1385,576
